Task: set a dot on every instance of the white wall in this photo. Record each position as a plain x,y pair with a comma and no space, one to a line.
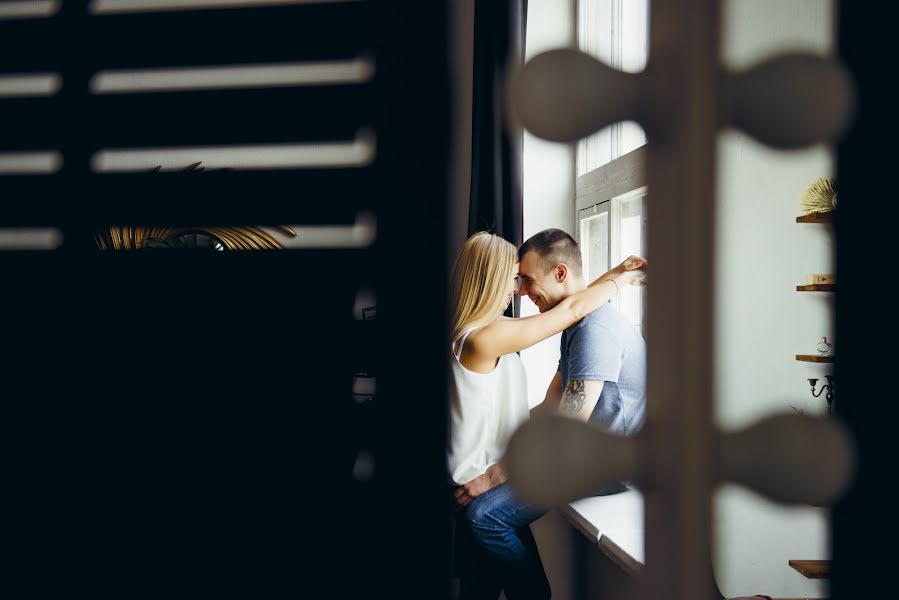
548,202
761,321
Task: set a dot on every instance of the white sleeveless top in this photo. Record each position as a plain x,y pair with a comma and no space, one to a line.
485,408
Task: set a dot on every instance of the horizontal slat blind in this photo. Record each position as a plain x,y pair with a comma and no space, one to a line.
97,90
185,419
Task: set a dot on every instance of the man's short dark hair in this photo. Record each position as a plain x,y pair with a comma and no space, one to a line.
554,246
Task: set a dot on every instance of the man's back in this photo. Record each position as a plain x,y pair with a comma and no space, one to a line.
604,346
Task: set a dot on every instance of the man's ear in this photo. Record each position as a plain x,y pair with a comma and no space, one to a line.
560,271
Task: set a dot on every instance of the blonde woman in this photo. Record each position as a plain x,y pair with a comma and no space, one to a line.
489,401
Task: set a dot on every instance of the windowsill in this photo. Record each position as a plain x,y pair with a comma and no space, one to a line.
615,523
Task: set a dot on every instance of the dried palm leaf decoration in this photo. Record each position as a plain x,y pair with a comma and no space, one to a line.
820,196
230,238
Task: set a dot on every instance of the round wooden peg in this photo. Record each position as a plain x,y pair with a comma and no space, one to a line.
553,460
563,95
789,101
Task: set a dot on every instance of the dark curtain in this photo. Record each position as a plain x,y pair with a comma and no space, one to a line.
496,203
496,164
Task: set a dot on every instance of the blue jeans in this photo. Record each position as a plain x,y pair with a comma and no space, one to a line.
506,553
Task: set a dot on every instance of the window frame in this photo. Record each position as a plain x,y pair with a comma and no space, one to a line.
601,189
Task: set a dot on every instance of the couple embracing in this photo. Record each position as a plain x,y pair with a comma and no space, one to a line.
600,378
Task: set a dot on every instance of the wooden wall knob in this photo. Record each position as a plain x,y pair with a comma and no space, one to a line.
564,94
788,458
553,459
789,101
791,458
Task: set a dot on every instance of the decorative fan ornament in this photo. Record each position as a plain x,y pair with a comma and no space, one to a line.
819,196
230,238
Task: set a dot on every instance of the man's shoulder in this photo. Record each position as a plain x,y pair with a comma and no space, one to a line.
593,324
602,324
605,316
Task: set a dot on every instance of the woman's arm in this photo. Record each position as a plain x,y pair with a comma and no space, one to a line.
511,335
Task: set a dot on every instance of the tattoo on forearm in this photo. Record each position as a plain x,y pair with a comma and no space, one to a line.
574,398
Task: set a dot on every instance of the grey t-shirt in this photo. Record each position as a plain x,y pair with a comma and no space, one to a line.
604,346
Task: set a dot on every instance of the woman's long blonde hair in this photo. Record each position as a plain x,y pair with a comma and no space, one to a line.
482,273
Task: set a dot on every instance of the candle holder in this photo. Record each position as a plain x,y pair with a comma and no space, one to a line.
828,387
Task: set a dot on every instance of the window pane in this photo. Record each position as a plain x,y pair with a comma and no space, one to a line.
595,245
597,150
617,33
595,29
634,35
595,38
632,45
628,238
631,137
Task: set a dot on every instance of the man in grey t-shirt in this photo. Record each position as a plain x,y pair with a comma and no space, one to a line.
602,369
604,350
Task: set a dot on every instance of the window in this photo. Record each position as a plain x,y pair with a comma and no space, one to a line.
611,188
617,33
609,232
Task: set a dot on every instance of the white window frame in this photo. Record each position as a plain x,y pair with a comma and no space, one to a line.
603,189
615,254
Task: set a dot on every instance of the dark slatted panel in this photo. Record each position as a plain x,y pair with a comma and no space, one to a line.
170,414
79,124
314,114
362,354
31,123
324,196
188,38
184,420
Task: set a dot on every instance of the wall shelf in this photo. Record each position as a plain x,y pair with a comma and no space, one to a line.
813,569
815,358
816,217
818,287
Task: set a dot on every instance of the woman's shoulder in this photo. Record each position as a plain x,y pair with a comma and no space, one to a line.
483,333
470,340
475,337
478,344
